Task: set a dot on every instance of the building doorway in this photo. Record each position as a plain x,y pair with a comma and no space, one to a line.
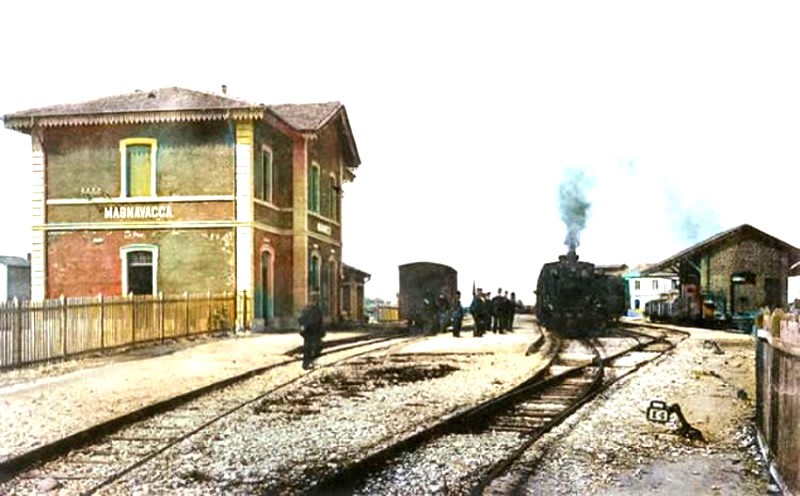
266,308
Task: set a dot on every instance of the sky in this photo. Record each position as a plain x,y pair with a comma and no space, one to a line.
672,120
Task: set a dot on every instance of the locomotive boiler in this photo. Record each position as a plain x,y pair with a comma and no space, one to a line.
575,299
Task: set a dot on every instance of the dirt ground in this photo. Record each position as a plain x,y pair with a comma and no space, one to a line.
610,447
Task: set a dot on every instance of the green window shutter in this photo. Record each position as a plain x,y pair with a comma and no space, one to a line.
140,170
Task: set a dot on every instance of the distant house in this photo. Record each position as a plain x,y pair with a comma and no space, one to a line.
642,287
15,278
174,190
353,281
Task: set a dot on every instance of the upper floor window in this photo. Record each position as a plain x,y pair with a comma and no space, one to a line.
655,284
263,175
636,285
138,166
333,197
313,188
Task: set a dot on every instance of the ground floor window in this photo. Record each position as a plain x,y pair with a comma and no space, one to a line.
313,274
346,309
139,269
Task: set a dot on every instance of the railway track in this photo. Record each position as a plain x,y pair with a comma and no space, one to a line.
493,435
86,462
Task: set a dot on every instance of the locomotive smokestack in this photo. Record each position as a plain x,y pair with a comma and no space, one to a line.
574,207
572,256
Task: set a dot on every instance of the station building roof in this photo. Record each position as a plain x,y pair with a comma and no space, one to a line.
183,105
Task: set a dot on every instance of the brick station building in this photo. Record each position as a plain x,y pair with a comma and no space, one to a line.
173,190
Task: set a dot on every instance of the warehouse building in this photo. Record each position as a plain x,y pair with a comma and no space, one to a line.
742,269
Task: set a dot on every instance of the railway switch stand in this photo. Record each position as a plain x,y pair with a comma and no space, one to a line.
659,412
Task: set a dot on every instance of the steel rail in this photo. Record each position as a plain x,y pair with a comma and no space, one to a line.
18,465
348,478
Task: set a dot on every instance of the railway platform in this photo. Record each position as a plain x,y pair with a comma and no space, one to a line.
44,404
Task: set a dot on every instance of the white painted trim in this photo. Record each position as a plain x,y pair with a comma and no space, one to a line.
271,205
322,217
123,145
114,226
142,199
123,255
272,229
38,247
244,249
324,239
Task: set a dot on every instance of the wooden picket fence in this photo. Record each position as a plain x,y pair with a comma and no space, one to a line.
778,395
33,332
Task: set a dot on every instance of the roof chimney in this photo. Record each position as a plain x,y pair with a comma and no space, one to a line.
224,89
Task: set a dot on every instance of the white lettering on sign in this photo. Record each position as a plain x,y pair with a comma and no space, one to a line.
323,228
138,212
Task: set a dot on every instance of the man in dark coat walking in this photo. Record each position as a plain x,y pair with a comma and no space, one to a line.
312,332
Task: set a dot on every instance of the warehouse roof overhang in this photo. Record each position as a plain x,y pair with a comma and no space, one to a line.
745,231
182,105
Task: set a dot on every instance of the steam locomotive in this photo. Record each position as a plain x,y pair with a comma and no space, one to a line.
577,300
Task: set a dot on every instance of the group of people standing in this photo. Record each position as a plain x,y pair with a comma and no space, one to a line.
439,313
494,314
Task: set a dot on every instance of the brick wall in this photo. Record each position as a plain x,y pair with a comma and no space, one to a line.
193,159
87,263
753,255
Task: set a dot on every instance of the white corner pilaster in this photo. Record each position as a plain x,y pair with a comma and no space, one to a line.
244,223
38,248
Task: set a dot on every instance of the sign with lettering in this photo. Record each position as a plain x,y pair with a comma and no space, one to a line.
658,412
126,212
324,228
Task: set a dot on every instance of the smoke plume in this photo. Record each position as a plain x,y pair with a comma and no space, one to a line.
574,206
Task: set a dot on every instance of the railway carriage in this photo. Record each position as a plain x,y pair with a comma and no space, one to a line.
420,281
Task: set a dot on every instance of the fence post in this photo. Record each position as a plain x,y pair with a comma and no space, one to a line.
186,310
102,321
161,314
62,300
244,310
132,299
17,333
209,324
